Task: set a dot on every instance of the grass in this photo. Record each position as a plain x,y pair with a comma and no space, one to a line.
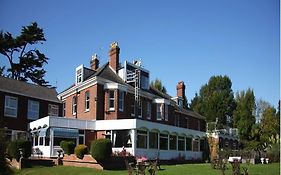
192,169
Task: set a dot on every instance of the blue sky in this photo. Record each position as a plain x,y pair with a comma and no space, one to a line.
182,40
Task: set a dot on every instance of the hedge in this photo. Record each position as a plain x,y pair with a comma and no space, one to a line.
14,146
67,146
101,149
80,151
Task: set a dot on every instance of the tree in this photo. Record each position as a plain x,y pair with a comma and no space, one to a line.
26,63
157,84
270,126
215,100
261,105
243,115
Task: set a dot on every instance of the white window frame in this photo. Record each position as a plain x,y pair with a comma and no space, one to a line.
121,100
52,108
79,75
166,112
140,109
74,105
133,109
110,108
187,122
8,106
148,110
63,108
158,111
87,101
33,109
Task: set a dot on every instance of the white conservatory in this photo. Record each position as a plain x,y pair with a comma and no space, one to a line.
139,137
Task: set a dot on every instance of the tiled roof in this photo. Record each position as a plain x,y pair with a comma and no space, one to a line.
27,89
107,73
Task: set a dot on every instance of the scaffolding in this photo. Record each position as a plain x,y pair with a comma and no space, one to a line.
134,77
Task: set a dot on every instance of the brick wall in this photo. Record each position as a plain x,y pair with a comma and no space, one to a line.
21,121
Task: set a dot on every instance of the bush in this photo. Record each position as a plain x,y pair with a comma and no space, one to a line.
3,163
67,146
80,151
101,149
14,146
274,153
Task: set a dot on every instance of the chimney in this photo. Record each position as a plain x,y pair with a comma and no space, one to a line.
94,62
114,56
181,89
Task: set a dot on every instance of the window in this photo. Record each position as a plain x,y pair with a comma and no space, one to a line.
87,101
144,82
160,111
36,140
74,105
195,145
181,143
47,141
153,140
140,109
41,139
53,110
122,138
187,122
188,144
11,106
57,140
173,142
63,108
148,110
166,112
180,103
81,137
111,100
163,141
133,109
121,100
33,110
79,76
198,125
177,120
202,145
141,139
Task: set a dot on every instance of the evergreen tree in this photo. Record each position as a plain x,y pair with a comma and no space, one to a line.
26,62
215,100
243,116
157,84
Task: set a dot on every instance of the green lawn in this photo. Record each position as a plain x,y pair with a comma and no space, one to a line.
192,169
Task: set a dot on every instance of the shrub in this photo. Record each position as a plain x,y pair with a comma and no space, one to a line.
14,146
274,153
101,149
3,146
67,146
80,151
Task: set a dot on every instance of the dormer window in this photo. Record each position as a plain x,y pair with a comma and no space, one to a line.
180,102
79,74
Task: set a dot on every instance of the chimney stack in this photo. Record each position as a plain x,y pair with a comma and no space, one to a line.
181,89
94,62
114,56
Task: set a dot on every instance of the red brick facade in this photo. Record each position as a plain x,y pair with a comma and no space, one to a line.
99,100
21,121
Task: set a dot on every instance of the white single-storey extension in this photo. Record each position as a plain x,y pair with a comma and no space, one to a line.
139,137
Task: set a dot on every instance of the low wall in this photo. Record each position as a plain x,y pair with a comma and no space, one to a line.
87,161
